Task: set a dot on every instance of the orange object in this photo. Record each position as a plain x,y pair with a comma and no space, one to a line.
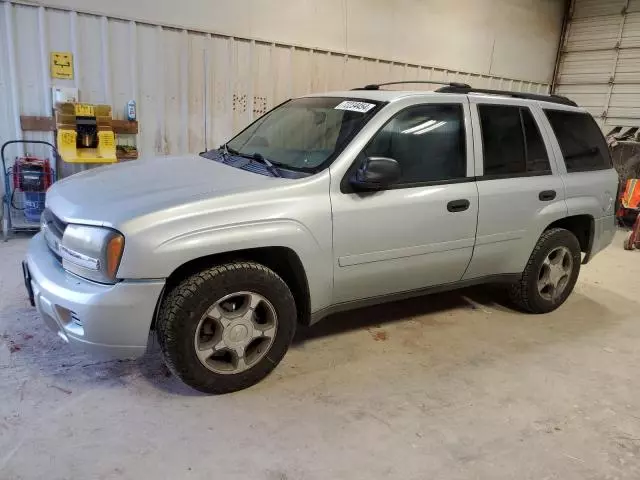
630,201
114,252
631,195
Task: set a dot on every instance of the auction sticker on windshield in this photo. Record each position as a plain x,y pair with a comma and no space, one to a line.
355,106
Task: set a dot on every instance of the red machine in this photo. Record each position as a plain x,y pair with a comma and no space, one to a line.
32,174
25,182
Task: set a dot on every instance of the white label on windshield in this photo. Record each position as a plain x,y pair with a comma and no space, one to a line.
352,106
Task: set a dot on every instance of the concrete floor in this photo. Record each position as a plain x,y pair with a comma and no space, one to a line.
453,386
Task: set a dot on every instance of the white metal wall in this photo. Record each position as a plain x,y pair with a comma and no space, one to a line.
600,62
513,38
192,88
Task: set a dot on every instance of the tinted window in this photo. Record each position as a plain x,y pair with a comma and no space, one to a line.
511,141
537,158
304,133
581,141
427,141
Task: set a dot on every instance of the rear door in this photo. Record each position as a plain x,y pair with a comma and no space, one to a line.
520,191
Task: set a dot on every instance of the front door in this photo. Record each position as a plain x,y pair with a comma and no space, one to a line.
421,231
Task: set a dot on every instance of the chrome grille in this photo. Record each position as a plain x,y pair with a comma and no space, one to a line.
53,229
53,222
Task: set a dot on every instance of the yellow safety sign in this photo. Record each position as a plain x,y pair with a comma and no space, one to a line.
84,110
62,65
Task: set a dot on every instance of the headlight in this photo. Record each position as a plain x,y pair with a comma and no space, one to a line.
92,252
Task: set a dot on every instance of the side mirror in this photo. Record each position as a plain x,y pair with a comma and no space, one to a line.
375,173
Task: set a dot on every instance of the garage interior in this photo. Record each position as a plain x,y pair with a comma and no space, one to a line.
455,386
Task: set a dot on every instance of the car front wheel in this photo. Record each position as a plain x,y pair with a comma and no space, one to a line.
225,328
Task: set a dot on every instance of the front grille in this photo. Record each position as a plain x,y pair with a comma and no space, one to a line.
56,225
53,229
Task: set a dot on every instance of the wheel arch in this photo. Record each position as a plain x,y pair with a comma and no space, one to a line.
583,227
284,261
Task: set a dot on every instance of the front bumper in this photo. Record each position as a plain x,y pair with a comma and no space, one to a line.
107,320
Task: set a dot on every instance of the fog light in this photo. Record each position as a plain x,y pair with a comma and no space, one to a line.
70,320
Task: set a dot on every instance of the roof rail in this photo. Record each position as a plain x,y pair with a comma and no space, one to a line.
376,86
506,93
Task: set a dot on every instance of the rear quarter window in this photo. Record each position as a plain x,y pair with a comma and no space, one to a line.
582,144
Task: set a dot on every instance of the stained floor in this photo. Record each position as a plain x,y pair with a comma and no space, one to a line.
452,386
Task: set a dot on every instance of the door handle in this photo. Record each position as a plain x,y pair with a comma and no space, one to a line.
458,205
547,195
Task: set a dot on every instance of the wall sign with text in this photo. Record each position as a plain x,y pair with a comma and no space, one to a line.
62,65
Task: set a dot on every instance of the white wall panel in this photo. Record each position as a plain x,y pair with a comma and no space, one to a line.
242,96
600,61
88,59
151,100
301,67
191,87
593,33
580,67
122,49
319,71
598,8
263,68
196,113
631,32
219,97
335,74
7,115
29,74
175,65
513,38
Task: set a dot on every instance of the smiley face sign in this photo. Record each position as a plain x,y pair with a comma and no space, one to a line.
62,65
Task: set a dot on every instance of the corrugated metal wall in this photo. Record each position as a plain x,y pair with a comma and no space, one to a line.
600,61
192,88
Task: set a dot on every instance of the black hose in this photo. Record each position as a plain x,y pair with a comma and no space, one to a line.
13,205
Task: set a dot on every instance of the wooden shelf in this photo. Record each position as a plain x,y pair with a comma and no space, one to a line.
125,127
37,124
126,156
30,123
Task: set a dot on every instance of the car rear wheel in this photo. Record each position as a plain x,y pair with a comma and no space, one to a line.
225,328
550,274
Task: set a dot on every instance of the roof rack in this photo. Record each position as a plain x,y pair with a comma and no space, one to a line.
506,93
376,86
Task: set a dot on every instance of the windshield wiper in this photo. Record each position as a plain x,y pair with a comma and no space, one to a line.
270,166
254,156
225,150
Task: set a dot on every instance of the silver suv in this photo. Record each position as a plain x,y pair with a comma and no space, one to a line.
326,203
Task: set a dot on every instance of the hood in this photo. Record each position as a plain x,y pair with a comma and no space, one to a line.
113,194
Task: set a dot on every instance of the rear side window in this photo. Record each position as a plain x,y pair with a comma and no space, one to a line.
581,142
511,142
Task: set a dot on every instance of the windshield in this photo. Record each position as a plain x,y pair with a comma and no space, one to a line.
304,134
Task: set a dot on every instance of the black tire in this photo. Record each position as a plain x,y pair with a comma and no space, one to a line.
185,304
524,293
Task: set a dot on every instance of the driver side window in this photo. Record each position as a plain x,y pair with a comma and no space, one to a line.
427,141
